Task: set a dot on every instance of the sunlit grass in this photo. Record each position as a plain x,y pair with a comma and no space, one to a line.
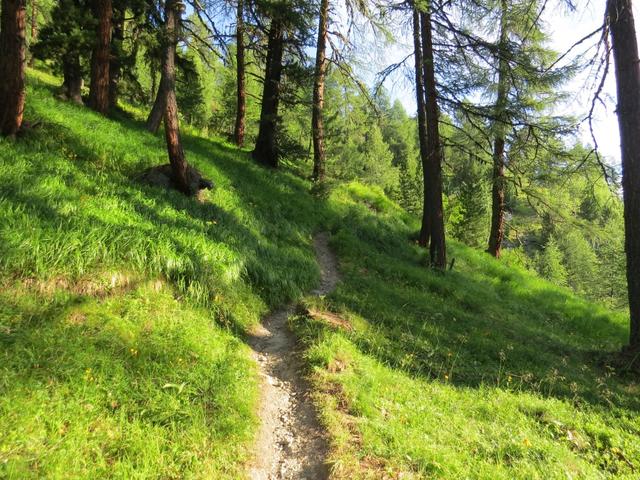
123,306
483,372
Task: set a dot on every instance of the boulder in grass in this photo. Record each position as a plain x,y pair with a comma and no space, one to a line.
162,176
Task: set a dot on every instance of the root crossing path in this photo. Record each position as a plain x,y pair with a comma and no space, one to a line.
291,443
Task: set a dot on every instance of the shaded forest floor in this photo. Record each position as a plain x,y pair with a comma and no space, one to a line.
125,311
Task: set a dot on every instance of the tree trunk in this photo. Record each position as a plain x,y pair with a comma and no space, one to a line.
497,201
425,231
171,124
72,85
627,68
12,65
240,74
99,89
433,176
317,123
266,149
115,63
157,111
34,27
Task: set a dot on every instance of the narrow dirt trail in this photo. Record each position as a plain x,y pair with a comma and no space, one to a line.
291,443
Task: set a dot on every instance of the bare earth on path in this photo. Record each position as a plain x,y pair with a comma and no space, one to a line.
291,443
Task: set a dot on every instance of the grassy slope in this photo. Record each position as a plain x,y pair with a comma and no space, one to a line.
485,372
119,301
122,308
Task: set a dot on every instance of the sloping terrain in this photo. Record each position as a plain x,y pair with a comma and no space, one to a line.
123,306
126,312
483,372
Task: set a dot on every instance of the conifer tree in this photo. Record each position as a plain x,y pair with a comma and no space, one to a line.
619,15
100,58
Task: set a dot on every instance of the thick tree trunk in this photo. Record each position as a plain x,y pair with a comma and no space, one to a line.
99,88
115,63
433,175
171,123
627,68
425,231
317,123
497,201
12,65
72,85
34,27
241,105
266,149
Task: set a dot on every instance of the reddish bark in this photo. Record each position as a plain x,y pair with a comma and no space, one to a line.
171,123
627,68
317,123
12,65
240,74
496,234
497,199
99,88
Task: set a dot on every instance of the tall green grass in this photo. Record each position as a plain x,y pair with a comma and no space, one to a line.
123,305
482,372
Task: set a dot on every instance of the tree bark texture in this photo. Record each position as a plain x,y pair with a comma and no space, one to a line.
157,111
241,100
433,175
99,88
317,123
171,123
12,65
627,69
266,149
425,231
496,234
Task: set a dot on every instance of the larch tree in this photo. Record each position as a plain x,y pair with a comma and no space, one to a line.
432,234
67,40
179,166
496,233
266,148
317,124
100,58
619,14
422,121
12,66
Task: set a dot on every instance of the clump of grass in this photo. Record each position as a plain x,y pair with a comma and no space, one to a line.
483,372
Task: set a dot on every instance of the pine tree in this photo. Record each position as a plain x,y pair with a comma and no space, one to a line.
99,88
627,68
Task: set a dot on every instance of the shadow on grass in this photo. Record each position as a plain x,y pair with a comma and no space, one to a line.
478,325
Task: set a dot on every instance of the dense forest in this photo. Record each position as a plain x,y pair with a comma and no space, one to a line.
488,165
